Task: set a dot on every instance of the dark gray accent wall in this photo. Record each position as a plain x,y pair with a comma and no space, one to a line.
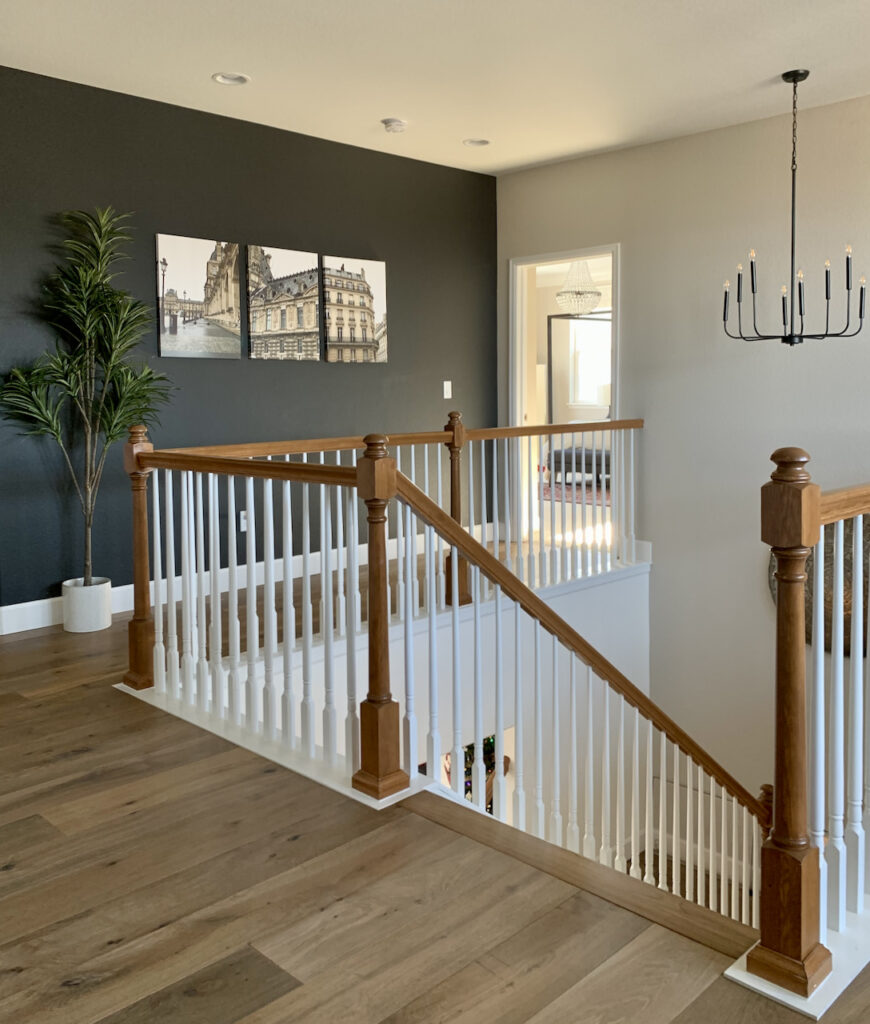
183,172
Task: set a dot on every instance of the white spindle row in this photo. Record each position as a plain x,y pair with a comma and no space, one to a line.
839,726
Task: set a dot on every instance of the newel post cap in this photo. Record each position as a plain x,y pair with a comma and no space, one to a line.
790,502
376,471
137,443
456,427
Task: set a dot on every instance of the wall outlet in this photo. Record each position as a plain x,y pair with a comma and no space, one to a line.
448,388
243,521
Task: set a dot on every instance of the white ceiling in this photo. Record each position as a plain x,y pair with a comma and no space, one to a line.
543,79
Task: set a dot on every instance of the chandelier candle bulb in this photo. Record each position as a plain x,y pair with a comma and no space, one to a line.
739,282
828,280
800,277
752,271
862,294
784,306
848,268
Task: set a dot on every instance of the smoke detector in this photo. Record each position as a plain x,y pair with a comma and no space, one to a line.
394,125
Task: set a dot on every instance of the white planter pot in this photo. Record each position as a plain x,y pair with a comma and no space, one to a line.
87,609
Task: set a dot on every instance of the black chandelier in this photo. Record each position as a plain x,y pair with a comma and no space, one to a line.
790,335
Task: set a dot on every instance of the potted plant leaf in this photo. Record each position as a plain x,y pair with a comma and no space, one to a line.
86,394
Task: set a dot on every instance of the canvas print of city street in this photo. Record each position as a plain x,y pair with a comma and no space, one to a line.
198,312
283,304
355,310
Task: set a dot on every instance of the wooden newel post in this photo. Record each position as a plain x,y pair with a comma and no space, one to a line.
457,428
380,774
790,954
140,674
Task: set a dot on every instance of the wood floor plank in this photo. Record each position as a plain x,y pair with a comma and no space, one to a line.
22,835
649,981
218,994
531,968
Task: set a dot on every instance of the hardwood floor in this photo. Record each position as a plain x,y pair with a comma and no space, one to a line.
150,872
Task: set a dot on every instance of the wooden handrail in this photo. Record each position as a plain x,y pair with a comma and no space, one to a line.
304,472
510,585
490,433
260,449
844,503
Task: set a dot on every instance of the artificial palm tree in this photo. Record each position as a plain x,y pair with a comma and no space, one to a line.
86,394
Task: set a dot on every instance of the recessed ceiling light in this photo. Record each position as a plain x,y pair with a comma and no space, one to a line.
230,78
475,142
394,124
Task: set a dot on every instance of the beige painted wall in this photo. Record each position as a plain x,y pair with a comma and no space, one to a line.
685,212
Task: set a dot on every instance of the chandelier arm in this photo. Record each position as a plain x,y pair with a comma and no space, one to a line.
844,333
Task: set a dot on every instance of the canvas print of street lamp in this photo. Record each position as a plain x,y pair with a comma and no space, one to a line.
283,304
198,310
355,310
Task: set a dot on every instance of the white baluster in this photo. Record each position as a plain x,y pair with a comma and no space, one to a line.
855,842
630,508
457,755
234,702
690,831
484,526
712,869
634,871
188,662
327,629
499,789
519,715
539,737
307,709
203,678
321,491
288,704
663,812
596,558
496,532
252,720
433,740
723,853
531,511
575,565
425,599
409,721
735,888
542,545
159,663
563,571
353,572
439,554
351,722
218,705
676,843
835,851
413,573
649,827
756,873
700,879
553,560
619,861
604,547
589,846
573,836
817,731
556,801
173,678
508,529
478,767
270,719
744,867
469,465
605,853
340,556
586,548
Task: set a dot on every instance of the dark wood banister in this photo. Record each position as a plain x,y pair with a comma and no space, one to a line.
476,554
303,472
844,503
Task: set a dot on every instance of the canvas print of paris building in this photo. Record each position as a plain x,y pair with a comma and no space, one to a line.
283,304
198,312
355,310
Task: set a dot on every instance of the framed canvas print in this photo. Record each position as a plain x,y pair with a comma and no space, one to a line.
355,310
198,307
283,304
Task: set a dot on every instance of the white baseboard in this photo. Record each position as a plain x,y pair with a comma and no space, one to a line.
18,618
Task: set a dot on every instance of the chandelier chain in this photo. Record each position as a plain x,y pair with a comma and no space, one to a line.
794,127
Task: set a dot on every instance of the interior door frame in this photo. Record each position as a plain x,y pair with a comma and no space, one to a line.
517,304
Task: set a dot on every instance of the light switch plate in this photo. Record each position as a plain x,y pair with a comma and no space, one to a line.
448,388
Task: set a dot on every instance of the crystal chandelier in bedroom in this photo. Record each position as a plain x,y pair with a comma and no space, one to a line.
578,293
793,332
